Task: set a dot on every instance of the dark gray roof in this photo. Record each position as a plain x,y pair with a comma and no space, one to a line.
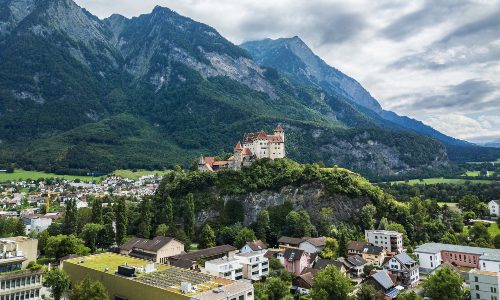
290,240
293,254
371,249
356,260
209,252
144,244
181,263
323,263
383,278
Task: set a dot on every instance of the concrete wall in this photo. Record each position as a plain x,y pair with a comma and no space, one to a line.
29,247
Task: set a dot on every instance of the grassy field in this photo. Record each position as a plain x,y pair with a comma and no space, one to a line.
23,175
493,229
477,173
451,204
442,180
135,175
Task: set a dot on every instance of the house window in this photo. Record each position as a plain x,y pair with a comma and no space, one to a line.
476,279
477,287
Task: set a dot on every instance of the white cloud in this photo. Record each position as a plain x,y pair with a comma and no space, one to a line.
463,127
401,51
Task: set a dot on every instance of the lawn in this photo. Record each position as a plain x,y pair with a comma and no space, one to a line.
442,180
23,175
450,204
134,175
493,229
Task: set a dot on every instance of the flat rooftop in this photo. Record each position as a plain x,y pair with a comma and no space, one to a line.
164,277
389,232
487,273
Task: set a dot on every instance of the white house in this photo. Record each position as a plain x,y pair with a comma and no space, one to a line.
405,268
494,206
38,225
313,245
255,264
229,268
392,241
254,246
484,284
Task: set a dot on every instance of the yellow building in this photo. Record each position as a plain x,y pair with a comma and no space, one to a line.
128,278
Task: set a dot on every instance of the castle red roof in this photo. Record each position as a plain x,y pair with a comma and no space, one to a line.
262,135
274,139
278,129
209,160
238,146
247,151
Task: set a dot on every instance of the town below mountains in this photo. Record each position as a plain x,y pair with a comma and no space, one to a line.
151,158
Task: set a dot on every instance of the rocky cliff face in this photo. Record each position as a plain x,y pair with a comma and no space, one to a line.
310,197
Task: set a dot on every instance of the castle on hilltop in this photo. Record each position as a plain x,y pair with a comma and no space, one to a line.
255,145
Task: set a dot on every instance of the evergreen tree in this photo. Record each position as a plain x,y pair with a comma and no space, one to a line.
20,227
96,211
121,221
144,228
106,237
207,238
262,227
189,217
169,212
70,218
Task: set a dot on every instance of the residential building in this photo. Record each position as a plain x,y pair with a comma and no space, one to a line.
384,282
356,247
392,241
494,206
225,267
17,282
158,249
256,145
289,242
254,246
304,282
295,260
484,285
36,224
189,260
322,263
313,245
374,255
126,277
432,255
404,267
255,264
354,264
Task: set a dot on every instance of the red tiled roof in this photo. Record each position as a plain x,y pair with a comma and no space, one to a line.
247,151
220,163
209,160
250,137
275,138
238,147
278,129
262,135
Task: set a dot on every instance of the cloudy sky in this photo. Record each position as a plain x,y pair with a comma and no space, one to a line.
436,60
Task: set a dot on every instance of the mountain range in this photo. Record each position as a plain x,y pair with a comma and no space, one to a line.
80,94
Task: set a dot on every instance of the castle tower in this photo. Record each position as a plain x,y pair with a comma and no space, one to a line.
280,132
238,155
